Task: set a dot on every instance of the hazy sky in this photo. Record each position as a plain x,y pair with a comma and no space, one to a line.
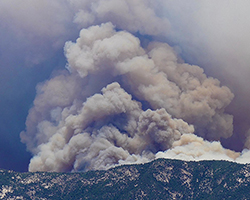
113,60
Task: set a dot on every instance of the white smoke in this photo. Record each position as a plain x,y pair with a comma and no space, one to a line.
193,148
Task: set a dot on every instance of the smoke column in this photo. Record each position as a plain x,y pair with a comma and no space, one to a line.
126,95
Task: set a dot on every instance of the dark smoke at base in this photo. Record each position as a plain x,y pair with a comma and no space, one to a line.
91,117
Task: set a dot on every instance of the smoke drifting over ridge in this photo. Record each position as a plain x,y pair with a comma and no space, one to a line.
123,102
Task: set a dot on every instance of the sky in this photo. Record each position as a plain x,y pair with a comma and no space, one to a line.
88,85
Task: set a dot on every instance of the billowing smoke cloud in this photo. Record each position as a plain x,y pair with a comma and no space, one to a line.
92,118
192,147
127,96
132,16
215,36
108,128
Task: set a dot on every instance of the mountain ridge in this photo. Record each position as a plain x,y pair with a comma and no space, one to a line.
159,179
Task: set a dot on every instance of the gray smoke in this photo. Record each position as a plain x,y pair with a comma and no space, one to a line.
35,30
108,127
83,119
215,36
126,96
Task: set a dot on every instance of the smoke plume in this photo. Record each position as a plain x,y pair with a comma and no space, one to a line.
74,127
126,95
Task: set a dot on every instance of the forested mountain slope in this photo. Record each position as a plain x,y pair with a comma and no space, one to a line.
160,179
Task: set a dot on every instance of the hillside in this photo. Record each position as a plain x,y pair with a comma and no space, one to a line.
160,179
